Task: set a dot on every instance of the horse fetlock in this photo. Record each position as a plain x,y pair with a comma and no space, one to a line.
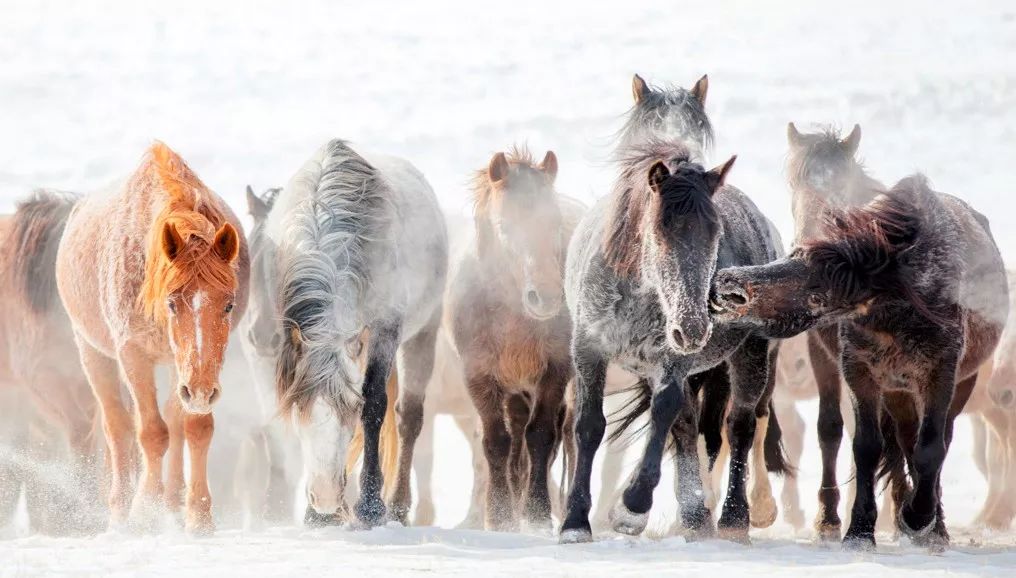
370,511
859,541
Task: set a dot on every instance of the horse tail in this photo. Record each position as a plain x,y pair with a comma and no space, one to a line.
775,453
566,427
39,222
626,415
388,443
892,464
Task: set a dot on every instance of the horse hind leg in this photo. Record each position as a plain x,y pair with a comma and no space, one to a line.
830,434
471,429
793,438
423,464
415,366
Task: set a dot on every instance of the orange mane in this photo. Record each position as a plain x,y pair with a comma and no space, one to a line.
187,209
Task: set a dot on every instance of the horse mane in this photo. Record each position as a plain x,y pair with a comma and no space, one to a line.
622,247
38,225
185,208
671,99
861,250
343,203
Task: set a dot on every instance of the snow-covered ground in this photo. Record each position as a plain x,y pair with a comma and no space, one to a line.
247,90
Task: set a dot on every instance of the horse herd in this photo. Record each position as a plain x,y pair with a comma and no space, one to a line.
674,290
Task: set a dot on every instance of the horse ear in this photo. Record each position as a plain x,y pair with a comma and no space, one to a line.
549,165
226,243
255,206
718,176
701,88
498,168
172,242
658,174
853,140
793,136
639,88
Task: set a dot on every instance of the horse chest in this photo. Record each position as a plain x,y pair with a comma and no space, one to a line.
517,350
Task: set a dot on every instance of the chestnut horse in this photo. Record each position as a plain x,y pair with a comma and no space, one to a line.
506,316
154,271
38,364
916,284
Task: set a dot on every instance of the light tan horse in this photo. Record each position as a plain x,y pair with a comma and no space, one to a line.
154,271
41,378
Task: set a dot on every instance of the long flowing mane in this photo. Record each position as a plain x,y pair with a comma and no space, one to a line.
342,204
186,208
37,227
633,197
859,251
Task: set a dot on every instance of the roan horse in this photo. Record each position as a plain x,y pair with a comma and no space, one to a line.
506,315
39,363
152,271
916,284
361,253
637,284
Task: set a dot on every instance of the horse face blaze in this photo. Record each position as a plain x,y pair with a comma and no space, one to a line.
199,321
324,442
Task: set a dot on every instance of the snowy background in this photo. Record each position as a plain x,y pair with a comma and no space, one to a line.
246,91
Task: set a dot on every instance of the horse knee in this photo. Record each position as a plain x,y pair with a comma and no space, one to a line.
154,436
199,429
496,445
830,427
589,430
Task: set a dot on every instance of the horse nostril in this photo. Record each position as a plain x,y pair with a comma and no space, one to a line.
734,298
533,298
1006,398
185,393
679,337
215,395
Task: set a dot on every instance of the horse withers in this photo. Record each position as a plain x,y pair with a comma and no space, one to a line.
165,287
916,284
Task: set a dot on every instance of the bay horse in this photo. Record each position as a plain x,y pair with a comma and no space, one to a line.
154,271
505,314
39,366
824,173
915,283
361,254
637,284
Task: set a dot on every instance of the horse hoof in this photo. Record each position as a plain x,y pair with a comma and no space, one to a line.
763,512
828,532
575,536
916,532
200,525
624,521
859,543
370,514
794,517
470,523
399,513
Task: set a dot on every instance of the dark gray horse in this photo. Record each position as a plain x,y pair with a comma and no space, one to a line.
637,283
916,287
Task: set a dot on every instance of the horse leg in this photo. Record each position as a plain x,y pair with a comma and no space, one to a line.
384,341
830,429
867,453
590,424
103,377
474,435
750,378
174,454
518,410
153,437
793,439
631,514
541,441
696,516
198,430
762,503
488,397
423,463
416,365
610,484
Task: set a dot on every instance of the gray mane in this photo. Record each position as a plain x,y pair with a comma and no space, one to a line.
670,113
341,202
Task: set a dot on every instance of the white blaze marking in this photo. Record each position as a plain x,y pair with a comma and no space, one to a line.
196,303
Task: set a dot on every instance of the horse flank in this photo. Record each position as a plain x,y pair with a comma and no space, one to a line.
622,247
342,204
195,220
38,225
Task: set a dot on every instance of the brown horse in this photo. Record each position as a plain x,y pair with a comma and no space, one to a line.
505,313
155,271
38,362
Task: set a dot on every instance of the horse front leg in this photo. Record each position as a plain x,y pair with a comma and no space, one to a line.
416,364
518,411
830,429
631,514
696,515
384,341
590,424
488,397
541,441
749,374
198,430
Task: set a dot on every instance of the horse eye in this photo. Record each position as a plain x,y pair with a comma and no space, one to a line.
171,305
229,307
815,300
